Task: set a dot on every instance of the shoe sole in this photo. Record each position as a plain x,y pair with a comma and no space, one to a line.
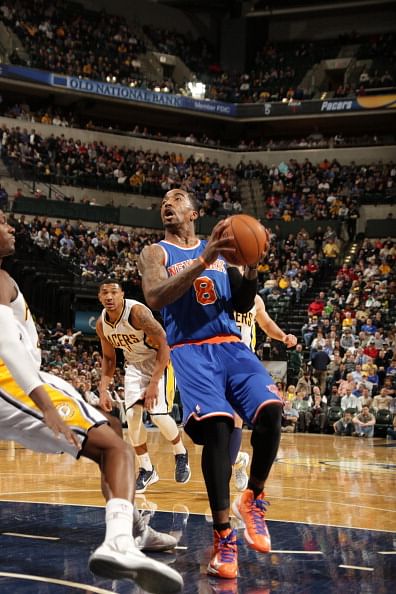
183,482
150,482
150,575
159,549
212,571
251,544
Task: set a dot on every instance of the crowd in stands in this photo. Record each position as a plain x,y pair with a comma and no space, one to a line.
380,49
275,75
326,190
61,160
350,339
291,190
64,118
67,38
346,359
195,52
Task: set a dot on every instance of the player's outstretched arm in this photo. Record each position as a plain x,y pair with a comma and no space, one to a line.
270,327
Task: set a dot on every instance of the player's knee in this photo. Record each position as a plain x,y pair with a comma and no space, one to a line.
136,429
269,417
167,425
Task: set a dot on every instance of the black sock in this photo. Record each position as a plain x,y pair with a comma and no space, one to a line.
256,490
220,527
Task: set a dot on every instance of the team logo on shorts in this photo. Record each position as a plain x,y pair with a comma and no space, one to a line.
274,389
197,409
65,410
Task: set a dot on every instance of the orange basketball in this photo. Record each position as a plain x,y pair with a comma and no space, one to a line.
251,239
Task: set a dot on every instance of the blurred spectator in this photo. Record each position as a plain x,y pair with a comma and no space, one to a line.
344,426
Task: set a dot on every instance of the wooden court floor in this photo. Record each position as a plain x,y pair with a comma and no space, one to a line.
318,483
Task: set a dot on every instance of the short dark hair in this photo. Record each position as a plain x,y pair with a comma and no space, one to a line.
110,281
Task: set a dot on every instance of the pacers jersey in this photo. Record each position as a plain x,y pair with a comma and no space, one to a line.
205,310
246,323
26,327
122,335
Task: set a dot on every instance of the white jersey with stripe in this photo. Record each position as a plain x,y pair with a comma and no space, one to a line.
26,326
122,335
246,323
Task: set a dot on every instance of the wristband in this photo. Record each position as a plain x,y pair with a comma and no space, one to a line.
203,261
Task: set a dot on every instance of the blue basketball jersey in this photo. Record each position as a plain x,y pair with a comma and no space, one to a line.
206,309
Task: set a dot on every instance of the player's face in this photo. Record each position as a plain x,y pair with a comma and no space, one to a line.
111,296
176,209
7,239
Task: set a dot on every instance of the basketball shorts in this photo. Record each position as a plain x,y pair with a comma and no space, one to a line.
22,421
137,378
218,379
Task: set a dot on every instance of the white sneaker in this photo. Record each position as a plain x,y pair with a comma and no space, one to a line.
120,559
151,540
241,476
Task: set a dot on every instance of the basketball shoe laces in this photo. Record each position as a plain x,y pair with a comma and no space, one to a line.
258,507
227,547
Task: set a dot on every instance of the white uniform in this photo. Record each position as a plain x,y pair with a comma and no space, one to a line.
139,358
246,323
20,419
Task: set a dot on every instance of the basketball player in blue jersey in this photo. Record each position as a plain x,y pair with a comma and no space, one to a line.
46,414
246,323
129,325
189,281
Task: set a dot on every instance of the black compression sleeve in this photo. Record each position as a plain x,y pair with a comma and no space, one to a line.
243,290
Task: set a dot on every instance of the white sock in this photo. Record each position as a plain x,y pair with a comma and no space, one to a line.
178,448
119,518
145,462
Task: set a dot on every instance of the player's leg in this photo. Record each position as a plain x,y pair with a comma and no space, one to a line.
99,442
118,556
137,377
239,459
208,419
257,399
146,538
137,434
216,469
169,429
167,425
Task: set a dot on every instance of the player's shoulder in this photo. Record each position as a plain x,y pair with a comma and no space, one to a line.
259,303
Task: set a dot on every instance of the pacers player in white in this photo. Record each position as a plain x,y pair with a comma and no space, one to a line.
46,414
129,325
246,323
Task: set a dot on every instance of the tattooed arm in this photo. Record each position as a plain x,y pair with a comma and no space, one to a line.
142,319
159,289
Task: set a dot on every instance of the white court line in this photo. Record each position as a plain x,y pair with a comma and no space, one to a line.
357,567
297,552
171,511
19,535
37,578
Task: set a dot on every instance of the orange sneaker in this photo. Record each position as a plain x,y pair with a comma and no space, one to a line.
224,561
252,512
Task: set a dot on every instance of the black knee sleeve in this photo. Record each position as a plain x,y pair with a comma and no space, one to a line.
215,461
265,440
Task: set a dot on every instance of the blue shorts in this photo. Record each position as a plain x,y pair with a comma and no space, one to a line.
218,379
